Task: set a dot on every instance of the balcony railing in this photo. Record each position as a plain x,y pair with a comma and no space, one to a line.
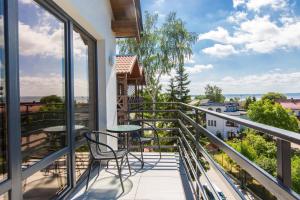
186,125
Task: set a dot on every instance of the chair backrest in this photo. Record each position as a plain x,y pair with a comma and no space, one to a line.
93,143
142,132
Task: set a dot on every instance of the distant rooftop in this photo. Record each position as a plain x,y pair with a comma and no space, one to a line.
293,104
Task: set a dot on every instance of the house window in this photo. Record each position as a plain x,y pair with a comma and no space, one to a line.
3,119
84,90
215,123
42,82
218,110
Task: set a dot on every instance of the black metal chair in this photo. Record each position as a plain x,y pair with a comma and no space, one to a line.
98,154
143,139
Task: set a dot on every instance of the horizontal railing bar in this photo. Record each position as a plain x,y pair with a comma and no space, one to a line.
199,166
200,149
273,185
44,163
277,132
5,186
188,173
151,111
154,120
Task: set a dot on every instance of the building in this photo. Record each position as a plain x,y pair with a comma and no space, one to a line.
291,104
58,80
130,81
218,126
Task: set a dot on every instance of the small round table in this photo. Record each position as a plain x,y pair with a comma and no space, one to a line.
127,129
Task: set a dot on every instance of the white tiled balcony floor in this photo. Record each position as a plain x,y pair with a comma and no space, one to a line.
160,179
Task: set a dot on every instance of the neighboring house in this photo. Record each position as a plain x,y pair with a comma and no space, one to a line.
291,104
130,81
226,129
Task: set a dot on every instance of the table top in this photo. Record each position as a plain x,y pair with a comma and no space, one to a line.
61,128
124,128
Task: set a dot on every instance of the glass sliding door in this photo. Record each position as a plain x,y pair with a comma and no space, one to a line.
84,83
47,183
3,115
42,82
84,95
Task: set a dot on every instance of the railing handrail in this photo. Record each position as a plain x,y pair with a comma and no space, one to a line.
283,134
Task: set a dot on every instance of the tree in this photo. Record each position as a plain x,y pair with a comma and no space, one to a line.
171,91
182,82
214,93
273,114
51,99
273,96
249,101
160,49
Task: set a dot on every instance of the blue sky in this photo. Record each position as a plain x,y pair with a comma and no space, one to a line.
244,46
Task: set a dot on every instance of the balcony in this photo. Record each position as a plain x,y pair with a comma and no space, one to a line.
188,168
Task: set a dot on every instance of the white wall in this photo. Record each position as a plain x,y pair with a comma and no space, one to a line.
95,17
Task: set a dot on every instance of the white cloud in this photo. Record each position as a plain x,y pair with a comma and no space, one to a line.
283,82
42,85
259,34
26,1
256,5
237,3
218,35
237,17
198,68
40,42
220,50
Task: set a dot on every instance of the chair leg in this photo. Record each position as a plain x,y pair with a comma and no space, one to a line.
159,148
120,175
107,164
128,164
99,167
142,155
89,174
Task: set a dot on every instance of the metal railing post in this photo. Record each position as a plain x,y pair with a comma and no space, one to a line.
284,162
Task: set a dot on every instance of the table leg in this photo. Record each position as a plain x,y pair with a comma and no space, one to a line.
128,149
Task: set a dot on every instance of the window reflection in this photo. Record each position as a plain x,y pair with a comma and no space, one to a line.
82,156
3,131
83,83
42,83
48,183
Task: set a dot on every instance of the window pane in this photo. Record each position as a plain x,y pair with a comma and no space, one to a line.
83,83
42,82
82,156
47,183
3,131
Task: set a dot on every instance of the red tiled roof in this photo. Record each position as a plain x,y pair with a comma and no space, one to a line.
293,104
125,64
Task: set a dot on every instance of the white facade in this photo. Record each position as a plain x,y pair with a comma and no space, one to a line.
218,125
95,17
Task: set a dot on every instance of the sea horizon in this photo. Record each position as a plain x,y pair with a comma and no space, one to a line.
243,96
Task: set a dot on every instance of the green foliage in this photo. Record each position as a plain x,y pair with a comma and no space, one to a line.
256,148
200,97
296,173
51,103
182,82
273,96
273,114
51,99
249,101
160,49
214,93
171,91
